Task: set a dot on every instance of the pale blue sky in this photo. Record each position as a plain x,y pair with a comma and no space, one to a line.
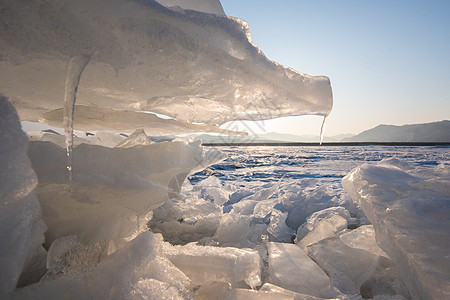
388,61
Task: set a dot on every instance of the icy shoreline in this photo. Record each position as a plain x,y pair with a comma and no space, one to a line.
228,231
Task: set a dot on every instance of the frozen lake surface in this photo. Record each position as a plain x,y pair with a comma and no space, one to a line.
327,164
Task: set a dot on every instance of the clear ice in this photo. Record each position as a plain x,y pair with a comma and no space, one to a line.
189,65
409,211
227,232
74,70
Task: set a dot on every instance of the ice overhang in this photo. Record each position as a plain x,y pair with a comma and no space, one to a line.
190,65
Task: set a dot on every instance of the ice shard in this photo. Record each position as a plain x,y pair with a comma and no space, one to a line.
409,210
188,64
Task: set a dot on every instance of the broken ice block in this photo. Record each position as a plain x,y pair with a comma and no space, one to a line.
410,214
181,222
363,238
268,287
137,138
205,264
122,275
114,189
21,227
233,229
356,271
292,269
322,224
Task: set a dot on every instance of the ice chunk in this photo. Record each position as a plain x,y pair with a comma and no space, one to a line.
239,294
137,138
278,229
212,188
356,271
322,224
363,238
268,287
206,264
114,190
182,222
213,290
292,269
21,227
105,138
192,66
409,211
152,289
122,275
233,229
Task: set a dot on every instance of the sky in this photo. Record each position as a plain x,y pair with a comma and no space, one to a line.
388,61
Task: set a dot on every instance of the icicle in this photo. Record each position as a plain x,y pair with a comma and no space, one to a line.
75,68
322,129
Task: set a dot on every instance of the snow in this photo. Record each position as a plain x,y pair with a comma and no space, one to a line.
409,210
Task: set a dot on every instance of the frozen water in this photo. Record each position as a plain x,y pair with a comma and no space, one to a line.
74,71
92,117
190,65
137,138
281,293
363,238
205,264
409,210
21,227
322,224
124,274
114,189
292,269
270,192
355,271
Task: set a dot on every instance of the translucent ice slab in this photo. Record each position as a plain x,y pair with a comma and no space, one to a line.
190,65
114,189
410,211
205,264
21,227
292,269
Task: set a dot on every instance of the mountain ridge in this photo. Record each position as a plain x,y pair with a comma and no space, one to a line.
411,133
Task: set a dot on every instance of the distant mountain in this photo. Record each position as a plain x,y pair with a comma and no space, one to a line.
416,133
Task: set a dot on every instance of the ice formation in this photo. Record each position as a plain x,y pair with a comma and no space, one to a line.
114,189
409,210
187,64
74,71
21,226
225,233
292,269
